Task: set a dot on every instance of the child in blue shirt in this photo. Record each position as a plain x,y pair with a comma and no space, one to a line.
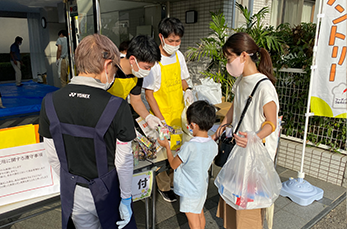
192,163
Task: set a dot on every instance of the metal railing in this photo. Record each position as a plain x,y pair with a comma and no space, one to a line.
292,87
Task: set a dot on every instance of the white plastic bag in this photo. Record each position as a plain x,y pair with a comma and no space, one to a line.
187,134
248,180
209,90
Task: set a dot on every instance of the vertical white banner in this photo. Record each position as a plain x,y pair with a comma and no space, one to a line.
329,89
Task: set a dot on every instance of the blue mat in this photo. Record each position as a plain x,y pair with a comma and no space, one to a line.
23,100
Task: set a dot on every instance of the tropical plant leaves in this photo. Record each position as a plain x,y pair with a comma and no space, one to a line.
264,36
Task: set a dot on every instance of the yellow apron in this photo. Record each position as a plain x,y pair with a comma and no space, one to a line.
170,95
122,86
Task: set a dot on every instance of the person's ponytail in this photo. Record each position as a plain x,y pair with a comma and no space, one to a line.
265,65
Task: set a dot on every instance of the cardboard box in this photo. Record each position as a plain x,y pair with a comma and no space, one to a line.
239,219
223,108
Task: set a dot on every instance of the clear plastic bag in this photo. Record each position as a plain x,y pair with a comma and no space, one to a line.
208,90
184,121
248,180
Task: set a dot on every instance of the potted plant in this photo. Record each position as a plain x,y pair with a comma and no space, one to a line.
211,48
264,36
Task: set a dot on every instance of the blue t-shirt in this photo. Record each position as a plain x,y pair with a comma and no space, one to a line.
15,49
191,177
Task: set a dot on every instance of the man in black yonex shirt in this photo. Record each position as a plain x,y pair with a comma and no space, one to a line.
87,135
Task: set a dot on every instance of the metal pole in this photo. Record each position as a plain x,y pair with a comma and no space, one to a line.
154,190
147,212
96,16
234,14
168,9
301,174
250,6
70,39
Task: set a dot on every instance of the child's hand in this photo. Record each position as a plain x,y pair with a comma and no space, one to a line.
164,143
214,137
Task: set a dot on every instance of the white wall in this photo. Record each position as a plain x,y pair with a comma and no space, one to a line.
200,29
193,32
10,28
153,17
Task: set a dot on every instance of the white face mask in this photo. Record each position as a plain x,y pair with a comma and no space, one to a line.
107,84
141,72
170,49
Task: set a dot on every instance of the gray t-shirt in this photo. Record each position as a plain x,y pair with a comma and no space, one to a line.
63,42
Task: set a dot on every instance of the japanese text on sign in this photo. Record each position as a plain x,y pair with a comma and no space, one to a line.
142,185
334,34
25,173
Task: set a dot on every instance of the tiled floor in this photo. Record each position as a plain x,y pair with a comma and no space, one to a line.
287,213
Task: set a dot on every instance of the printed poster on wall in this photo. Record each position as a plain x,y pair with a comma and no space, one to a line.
329,90
25,173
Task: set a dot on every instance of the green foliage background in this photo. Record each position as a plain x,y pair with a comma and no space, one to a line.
299,42
289,47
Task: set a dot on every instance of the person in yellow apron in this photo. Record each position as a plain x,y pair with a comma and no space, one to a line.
165,85
141,56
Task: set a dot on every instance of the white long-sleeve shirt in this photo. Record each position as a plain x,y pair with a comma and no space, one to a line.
123,163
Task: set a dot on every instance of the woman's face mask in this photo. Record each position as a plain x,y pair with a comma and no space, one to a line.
141,73
235,68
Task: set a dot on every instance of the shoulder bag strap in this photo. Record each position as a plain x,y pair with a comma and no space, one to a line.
249,100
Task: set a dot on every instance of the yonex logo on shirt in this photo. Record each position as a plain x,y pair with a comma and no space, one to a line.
79,95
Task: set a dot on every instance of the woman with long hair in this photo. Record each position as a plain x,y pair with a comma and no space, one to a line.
261,117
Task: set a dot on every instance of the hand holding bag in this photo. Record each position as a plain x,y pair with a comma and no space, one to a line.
248,180
227,144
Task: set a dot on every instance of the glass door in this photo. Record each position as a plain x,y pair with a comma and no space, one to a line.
81,23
